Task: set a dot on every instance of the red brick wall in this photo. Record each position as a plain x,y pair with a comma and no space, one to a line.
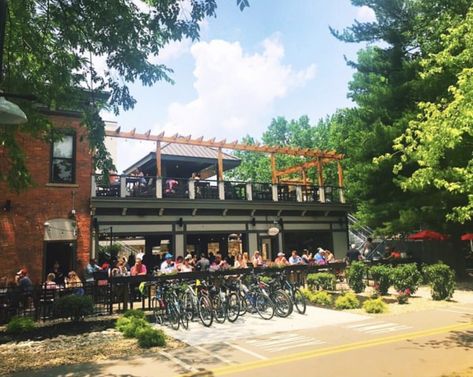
22,228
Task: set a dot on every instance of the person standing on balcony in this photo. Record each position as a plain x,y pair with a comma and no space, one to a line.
168,266
203,263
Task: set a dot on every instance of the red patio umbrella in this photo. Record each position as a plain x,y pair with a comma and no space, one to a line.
428,235
467,237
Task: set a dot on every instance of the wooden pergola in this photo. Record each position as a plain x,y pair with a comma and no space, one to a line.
318,157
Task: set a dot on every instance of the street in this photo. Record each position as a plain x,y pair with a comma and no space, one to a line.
320,343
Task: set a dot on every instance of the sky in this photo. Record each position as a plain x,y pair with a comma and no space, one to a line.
276,58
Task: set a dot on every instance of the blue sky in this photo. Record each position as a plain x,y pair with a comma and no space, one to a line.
276,58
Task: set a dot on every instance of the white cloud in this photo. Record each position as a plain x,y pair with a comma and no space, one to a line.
365,14
236,91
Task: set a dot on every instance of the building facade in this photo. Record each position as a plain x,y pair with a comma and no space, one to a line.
49,222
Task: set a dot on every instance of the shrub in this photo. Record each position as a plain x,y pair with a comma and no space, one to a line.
441,279
322,298
355,276
265,279
406,276
375,306
150,337
382,276
134,313
74,307
347,301
321,280
20,325
403,296
130,326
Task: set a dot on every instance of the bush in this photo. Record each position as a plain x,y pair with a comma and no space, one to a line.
406,276
355,276
74,307
375,306
149,337
20,325
134,313
322,298
441,279
265,279
347,301
130,326
321,280
382,276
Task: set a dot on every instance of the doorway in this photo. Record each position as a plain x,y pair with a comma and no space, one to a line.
268,247
61,251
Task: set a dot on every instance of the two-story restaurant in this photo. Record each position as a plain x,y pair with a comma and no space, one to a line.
175,198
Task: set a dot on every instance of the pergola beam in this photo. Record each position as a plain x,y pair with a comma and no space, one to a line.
311,153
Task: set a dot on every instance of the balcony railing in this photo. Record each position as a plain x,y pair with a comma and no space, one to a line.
188,188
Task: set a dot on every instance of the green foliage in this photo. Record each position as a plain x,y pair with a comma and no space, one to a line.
406,277
73,306
52,51
375,306
441,279
20,325
149,337
134,313
356,276
129,326
321,298
265,279
347,301
382,276
321,280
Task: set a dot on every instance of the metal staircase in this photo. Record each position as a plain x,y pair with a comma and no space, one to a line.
358,234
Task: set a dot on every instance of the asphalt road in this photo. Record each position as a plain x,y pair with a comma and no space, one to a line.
321,343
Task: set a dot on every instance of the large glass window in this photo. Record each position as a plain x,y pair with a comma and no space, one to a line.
63,160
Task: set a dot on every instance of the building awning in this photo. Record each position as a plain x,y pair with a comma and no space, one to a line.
60,230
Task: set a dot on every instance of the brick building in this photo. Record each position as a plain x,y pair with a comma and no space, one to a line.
50,221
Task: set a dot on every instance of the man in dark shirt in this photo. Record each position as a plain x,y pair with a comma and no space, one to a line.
353,254
202,264
26,287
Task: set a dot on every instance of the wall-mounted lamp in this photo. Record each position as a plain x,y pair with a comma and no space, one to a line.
180,222
253,221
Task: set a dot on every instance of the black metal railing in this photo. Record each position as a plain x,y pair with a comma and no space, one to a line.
207,189
133,186
287,193
235,190
262,191
175,187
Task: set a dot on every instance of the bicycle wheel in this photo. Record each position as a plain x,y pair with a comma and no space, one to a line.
204,309
187,306
243,304
173,316
264,306
156,311
233,307
299,301
219,310
283,303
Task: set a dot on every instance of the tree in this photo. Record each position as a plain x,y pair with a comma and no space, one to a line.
386,88
51,47
440,140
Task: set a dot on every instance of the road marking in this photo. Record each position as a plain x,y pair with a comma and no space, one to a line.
337,349
177,361
257,355
214,354
378,327
283,342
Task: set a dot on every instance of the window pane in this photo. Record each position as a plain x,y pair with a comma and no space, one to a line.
64,147
62,170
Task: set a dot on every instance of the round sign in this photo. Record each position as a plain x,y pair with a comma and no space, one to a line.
273,231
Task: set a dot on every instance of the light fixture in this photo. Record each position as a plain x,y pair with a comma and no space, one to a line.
10,113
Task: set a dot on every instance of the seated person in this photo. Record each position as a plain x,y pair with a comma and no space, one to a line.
257,261
295,258
139,268
168,266
281,260
73,282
